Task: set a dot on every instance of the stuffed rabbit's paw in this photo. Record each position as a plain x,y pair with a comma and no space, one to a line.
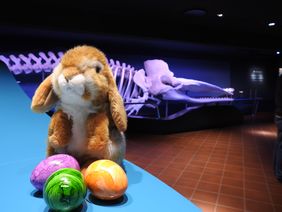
59,130
55,142
99,145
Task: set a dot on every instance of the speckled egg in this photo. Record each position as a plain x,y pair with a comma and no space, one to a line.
48,166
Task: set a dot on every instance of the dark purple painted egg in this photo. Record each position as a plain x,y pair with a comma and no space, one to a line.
48,166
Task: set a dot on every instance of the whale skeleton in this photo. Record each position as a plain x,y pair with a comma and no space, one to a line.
143,88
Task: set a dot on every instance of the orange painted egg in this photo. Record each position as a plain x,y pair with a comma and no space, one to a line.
106,179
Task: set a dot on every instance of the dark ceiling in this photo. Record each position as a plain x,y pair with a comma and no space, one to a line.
244,23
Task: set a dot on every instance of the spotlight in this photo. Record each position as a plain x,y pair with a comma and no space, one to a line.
219,15
271,24
278,52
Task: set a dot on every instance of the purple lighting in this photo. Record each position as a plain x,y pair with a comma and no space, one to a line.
143,88
31,63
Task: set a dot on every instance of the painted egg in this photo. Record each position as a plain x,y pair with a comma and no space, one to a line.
48,166
106,179
64,190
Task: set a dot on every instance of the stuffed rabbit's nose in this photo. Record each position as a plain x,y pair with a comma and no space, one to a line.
69,73
68,78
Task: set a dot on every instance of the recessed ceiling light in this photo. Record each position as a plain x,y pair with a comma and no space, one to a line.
195,12
278,52
271,24
219,15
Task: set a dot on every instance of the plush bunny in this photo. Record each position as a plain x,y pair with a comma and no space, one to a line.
90,118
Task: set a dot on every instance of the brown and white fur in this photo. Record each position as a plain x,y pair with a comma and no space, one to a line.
90,118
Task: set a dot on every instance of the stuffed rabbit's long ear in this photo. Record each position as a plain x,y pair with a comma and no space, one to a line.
44,97
116,104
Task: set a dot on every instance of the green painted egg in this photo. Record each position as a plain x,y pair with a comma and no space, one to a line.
64,190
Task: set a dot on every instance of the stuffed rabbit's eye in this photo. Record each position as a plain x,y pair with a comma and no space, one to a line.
98,68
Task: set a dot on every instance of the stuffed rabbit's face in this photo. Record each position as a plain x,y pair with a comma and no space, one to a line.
81,84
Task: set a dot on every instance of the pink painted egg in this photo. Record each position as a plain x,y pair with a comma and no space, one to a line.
48,166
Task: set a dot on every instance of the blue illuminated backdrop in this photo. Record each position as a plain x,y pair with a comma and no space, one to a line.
226,66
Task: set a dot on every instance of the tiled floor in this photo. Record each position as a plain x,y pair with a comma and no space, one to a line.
227,169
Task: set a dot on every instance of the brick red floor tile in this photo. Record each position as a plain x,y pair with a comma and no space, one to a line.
275,189
231,201
227,209
233,191
178,165
191,175
185,190
257,195
277,198
210,178
195,169
205,196
232,168
262,187
215,165
278,208
231,174
223,169
210,187
205,206
256,206
187,182
255,178
213,171
154,169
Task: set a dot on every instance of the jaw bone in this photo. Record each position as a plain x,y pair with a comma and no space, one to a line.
163,82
